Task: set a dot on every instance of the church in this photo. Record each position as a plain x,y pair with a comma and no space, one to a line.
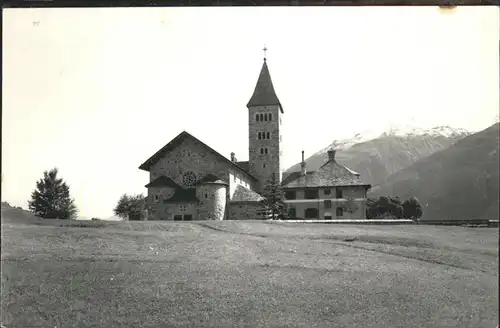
189,180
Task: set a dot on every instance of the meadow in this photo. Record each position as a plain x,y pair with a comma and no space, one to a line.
245,274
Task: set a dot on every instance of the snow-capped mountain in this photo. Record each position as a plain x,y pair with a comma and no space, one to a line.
400,131
377,155
443,131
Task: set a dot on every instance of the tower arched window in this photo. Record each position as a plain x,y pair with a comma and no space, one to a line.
257,117
261,117
265,150
259,136
268,135
270,116
262,151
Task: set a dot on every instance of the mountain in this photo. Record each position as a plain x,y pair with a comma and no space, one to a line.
377,158
460,182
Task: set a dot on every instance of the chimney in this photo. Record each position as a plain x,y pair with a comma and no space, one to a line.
303,165
233,158
331,155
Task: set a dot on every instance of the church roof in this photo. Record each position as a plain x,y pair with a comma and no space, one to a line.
146,166
162,181
182,196
330,174
244,165
264,93
242,194
211,179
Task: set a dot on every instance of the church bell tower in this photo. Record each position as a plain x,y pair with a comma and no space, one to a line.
265,117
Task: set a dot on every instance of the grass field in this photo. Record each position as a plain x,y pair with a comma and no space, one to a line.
246,274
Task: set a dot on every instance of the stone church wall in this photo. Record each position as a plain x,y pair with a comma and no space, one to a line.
212,202
190,156
243,211
272,159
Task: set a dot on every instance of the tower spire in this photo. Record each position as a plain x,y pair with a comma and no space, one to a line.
264,94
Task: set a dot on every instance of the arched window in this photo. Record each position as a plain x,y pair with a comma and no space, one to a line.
265,150
262,151
257,117
261,117
270,117
268,135
259,135
311,213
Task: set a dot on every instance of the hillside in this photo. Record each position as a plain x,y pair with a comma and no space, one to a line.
460,182
378,158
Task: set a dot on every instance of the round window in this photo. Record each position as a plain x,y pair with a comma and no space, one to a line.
188,178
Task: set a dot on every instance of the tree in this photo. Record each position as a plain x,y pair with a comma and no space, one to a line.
51,198
350,206
412,209
274,197
384,207
130,207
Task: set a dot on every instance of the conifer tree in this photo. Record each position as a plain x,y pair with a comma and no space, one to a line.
274,198
51,198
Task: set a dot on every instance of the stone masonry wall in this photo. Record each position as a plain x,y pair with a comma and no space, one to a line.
189,156
272,159
212,202
243,211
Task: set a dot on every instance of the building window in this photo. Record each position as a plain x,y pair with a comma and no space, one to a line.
327,191
340,211
182,208
188,217
311,194
292,212
206,196
261,117
338,193
257,117
328,216
265,150
311,213
262,151
157,198
188,178
292,194
264,165
270,117
177,217
328,203
259,136
268,135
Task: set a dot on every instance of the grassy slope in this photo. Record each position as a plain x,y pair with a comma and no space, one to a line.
247,274
460,182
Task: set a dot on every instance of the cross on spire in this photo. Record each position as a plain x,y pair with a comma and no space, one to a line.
265,50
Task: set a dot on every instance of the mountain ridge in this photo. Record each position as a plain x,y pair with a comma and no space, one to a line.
379,157
459,182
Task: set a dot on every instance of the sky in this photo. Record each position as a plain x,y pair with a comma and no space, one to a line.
96,91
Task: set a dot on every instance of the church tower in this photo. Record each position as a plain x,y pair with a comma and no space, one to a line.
265,117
